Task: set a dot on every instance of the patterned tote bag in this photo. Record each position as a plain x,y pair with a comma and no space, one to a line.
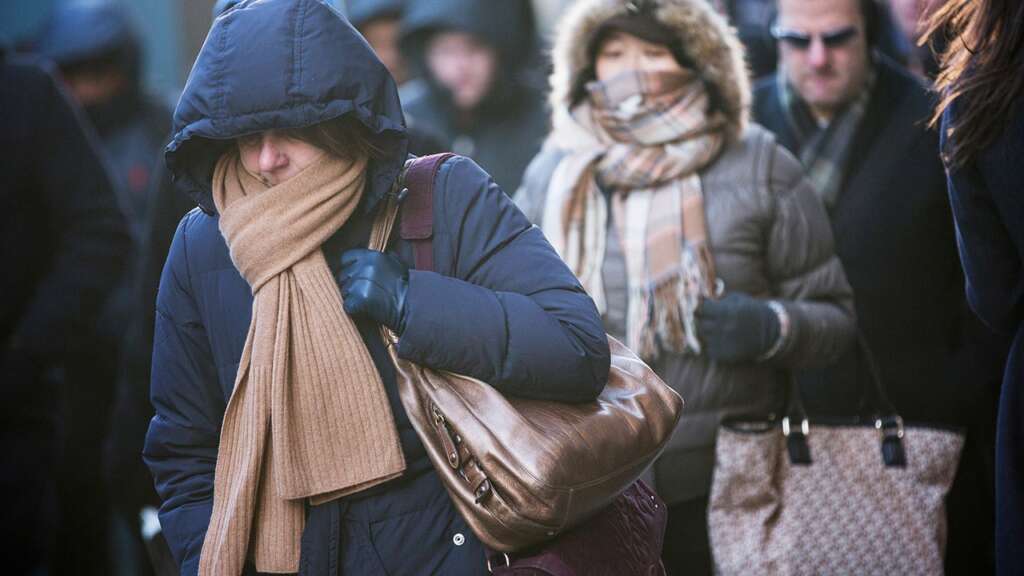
820,497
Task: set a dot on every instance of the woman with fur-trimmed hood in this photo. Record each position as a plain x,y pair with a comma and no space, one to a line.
695,233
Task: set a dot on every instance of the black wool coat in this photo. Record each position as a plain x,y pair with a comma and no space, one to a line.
894,234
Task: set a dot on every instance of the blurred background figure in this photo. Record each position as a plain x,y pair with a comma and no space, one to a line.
379,21
856,119
63,241
753,20
97,50
911,16
981,86
475,59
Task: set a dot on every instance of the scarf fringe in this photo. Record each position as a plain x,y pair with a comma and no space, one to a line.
665,317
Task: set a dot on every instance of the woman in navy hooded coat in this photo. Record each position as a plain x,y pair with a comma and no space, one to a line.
499,306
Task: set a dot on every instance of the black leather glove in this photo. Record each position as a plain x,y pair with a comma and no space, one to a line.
736,328
374,284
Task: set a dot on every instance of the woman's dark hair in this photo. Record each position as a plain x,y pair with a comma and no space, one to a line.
345,137
982,70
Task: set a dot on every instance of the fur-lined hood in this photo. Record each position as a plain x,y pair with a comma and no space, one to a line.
704,34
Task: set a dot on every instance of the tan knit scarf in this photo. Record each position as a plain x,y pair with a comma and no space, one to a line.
644,137
309,417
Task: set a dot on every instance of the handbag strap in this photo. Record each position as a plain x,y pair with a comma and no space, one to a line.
417,225
888,422
384,222
413,196
795,415
874,397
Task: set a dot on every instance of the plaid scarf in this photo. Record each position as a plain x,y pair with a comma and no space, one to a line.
824,150
644,137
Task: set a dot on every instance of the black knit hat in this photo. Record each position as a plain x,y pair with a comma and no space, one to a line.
642,25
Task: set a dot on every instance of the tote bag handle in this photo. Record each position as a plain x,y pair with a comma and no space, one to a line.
796,427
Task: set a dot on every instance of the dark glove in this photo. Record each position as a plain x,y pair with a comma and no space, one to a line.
373,284
736,328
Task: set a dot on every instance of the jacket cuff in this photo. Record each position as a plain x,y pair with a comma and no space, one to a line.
785,332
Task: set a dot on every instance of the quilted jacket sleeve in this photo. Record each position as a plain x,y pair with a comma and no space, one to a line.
181,445
503,307
806,275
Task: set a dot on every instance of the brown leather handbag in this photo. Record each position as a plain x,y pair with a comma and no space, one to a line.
523,471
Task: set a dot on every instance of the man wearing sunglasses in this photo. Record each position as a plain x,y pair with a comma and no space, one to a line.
857,121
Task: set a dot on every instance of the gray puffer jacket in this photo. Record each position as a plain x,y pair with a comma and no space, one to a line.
769,235
770,238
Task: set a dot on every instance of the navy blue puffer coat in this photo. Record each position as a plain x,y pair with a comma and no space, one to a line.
500,306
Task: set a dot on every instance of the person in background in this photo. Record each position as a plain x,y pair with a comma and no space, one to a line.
650,102
981,109
63,241
96,48
911,16
97,51
379,21
857,121
474,59
289,181
753,20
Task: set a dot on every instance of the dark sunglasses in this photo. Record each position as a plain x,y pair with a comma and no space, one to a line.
802,40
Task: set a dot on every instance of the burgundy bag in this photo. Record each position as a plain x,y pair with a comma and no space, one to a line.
622,539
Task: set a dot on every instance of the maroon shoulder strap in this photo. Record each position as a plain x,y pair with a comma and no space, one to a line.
417,209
